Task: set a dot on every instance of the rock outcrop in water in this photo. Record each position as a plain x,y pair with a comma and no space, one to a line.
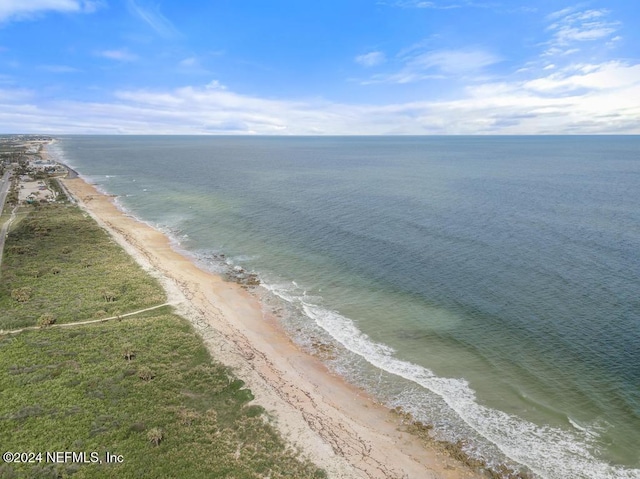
239,275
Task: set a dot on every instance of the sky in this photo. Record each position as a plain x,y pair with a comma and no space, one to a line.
301,67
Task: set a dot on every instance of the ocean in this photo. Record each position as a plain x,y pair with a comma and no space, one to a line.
490,286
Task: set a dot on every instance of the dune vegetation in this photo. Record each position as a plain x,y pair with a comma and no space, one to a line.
143,389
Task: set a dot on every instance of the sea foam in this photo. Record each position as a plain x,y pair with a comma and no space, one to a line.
549,452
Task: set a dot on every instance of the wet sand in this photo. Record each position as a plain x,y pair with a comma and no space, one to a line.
333,423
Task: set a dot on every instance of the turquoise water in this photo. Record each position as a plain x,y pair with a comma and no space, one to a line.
488,285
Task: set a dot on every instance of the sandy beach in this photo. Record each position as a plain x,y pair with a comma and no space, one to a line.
334,424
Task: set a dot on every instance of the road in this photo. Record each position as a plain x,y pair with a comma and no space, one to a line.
4,190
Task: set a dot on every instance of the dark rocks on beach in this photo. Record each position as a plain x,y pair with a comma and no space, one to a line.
323,350
242,277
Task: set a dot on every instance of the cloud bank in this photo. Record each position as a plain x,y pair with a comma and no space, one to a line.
586,98
12,10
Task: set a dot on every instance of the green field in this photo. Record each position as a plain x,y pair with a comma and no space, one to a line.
143,388
58,261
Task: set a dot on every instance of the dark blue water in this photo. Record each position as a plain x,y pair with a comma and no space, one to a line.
489,285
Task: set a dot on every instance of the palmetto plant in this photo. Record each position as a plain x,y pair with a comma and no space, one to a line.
155,436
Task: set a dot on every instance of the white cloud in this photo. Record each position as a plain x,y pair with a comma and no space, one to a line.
420,64
11,95
122,55
215,85
421,4
570,26
58,68
27,9
189,62
152,17
561,13
440,5
454,61
609,76
371,59
402,77
192,65
583,98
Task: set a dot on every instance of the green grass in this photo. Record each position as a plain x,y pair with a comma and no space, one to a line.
74,390
114,387
71,269
21,213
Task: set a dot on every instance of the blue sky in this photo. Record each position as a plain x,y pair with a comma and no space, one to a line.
332,67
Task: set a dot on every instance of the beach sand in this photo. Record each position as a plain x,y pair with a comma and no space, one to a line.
333,423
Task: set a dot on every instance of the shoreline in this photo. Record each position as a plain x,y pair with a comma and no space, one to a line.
334,424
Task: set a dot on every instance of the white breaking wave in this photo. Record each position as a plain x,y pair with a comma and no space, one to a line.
549,452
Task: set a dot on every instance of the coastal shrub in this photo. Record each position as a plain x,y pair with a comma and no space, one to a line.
128,353
21,295
155,436
137,427
187,416
47,319
87,262
21,250
59,193
145,373
40,231
38,272
109,295
59,385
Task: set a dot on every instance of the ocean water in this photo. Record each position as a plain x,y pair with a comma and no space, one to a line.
488,285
